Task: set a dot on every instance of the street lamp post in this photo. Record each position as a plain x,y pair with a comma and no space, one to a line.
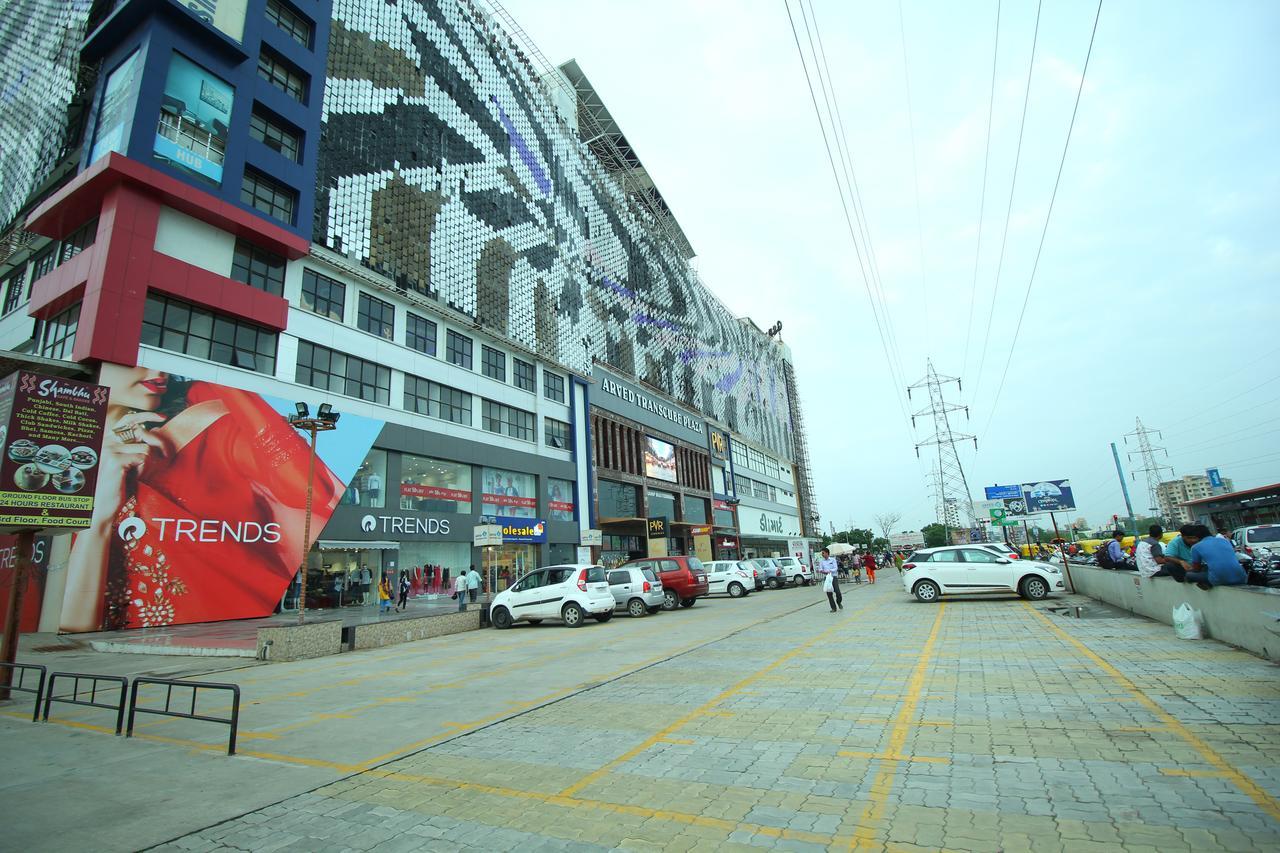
325,419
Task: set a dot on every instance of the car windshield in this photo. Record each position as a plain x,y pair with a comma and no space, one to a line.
648,574
1263,534
595,574
696,565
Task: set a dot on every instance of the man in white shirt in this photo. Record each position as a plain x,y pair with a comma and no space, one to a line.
473,583
1148,551
460,590
831,583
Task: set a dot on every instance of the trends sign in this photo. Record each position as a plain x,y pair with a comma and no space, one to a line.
405,524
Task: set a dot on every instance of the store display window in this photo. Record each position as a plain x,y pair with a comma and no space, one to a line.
434,566
559,499
367,486
508,493
433,485
662,504
619,500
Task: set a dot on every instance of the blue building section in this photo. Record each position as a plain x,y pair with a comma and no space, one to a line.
188,92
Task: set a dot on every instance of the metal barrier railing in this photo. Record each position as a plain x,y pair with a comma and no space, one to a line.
196,686
20,670
92,701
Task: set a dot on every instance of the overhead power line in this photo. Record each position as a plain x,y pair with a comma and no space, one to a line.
1062,162
915,171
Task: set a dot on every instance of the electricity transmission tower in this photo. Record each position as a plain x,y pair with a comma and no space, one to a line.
949,477
1150,468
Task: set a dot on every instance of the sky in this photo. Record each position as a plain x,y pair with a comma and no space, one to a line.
1158,286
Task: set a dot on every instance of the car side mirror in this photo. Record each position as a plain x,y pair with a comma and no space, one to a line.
1004,561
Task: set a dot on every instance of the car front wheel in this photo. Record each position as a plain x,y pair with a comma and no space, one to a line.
670,601
636,607
773,583
501,618
736,590
1035,588
572,615
927,591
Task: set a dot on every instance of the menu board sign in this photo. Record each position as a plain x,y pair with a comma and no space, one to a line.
50,439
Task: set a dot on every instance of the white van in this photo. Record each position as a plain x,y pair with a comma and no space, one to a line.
1248,539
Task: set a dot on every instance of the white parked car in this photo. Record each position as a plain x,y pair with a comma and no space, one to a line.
569,593
728,576
795,570
931,573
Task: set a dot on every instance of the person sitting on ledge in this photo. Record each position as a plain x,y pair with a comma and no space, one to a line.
1213,560
1175,557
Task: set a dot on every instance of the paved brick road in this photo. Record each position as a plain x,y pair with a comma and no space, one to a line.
973,725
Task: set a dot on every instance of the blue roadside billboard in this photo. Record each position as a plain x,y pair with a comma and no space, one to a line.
1000,493
1049,496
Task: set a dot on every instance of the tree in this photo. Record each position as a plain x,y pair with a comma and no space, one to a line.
887,521
935,535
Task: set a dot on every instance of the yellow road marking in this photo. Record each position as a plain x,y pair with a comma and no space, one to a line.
893,756
1265,801
873,812
1195,774
680,740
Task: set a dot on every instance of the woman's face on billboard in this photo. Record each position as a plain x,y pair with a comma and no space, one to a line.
134,387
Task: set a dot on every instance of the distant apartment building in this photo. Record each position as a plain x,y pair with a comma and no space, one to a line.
1172,494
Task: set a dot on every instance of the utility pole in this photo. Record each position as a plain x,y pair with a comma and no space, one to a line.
1124,487
952,485
1150,468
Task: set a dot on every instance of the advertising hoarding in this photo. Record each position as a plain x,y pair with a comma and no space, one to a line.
1215,478
522,530
999,493
117,107
1048,496
910,539
225,15
763,523
51,439
659,459
195,114
200,503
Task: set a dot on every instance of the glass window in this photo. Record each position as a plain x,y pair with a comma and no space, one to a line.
523,376
368,484
195,116
420,334
662,503
433,485
724,518
257,267
617,578
323,295
293,23
275,134
493,363
268,196
15,288
556,434
553,386
375,316
508,493
44,263
437,401
507,420
619,500
330,370
695,510
58,337
458,349
282,75
79,240
979,555
560,499
182,327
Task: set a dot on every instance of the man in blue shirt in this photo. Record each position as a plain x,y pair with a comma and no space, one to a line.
1114,552
827,566
1175,559
1213,560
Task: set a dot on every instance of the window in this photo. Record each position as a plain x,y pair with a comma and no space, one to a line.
523,376
59,335
507,420
323,295
15,288
330,370
508,493
280,74
664,504
458,349
695,510
493,363
556,433
420,334
182,327
375,316
979,555
437,401
560,499
294,25
266,195
433,485
79,240
618,500
44,263
366,487
257,267
275,134
553,386
616,578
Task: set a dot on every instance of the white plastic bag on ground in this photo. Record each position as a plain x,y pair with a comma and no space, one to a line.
1187,623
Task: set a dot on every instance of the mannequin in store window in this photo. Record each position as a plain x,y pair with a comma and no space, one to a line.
444,577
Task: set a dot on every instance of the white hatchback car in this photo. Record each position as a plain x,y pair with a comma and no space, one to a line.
569,593
795,570
931,573
728,576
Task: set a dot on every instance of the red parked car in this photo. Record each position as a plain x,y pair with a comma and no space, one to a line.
684,579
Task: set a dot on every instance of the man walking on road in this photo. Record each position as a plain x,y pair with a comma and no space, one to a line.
473,583
831,584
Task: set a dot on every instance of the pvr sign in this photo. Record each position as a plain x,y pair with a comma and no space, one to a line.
658,527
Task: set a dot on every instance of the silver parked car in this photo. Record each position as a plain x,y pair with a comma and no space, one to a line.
774,578
636,590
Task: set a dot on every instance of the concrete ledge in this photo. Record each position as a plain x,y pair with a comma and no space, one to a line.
376,635
298,642
1244,616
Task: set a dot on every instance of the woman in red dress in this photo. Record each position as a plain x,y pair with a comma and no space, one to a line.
199,508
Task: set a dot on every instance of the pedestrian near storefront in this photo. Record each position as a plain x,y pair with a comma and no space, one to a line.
831,582
384,595
460,590
473,583
405,584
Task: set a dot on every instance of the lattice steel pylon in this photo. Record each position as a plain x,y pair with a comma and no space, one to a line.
1150,468
952,484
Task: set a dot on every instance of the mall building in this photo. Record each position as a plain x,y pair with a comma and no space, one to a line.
223,209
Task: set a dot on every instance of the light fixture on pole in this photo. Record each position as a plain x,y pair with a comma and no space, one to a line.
326,419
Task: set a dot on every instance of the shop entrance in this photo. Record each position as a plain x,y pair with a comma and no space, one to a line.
507,562
344,574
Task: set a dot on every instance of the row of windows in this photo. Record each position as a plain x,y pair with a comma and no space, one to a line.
507,420
745,456
189,329
268,196
291,21
16,287
58,336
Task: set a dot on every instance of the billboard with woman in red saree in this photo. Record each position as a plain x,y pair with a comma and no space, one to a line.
200,503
